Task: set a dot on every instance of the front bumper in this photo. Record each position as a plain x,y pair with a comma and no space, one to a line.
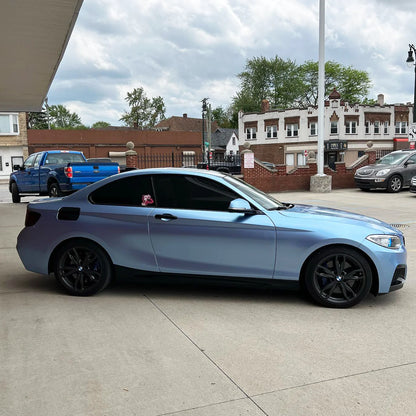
370,183
399,277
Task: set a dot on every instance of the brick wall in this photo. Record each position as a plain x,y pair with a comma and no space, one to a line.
279,180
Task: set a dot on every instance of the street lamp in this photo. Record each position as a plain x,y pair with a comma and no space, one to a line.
204,111
410,61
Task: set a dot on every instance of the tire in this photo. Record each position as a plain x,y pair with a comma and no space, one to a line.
15,193
54,190
82,268
395,184
338,277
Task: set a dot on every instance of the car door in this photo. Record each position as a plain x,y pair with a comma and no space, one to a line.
409,170
29,176
192,231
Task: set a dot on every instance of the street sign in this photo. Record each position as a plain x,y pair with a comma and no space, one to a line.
249,160
412,132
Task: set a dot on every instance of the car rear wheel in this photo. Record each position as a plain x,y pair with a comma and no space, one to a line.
338,277
54,190
15,193
395,184
82,268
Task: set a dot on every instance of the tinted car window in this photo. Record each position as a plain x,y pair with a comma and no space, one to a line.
191,192
133,190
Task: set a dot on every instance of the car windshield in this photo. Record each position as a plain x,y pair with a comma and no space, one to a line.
392,159
264,200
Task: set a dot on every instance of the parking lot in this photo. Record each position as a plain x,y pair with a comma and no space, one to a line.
153,347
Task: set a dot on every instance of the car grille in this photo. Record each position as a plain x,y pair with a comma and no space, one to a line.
414,181
365,172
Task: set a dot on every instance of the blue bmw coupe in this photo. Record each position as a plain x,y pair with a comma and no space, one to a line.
190,222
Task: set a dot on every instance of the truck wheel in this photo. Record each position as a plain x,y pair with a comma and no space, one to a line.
54,190
15,193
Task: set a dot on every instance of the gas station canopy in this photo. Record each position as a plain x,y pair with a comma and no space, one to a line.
33,38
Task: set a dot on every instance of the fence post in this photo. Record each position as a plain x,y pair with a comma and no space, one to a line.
131,157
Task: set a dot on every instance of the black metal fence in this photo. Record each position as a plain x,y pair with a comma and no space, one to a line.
220,161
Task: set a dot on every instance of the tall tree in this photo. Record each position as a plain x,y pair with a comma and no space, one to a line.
100,125
61,118
286,84
144,112
37,120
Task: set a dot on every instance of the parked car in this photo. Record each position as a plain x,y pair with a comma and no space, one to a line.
191,222
231,164
392,172
57,172
413,184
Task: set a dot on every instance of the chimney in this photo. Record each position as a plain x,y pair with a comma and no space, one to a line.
265,106
380,99
185,115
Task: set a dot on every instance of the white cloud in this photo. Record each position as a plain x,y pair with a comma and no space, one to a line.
187,50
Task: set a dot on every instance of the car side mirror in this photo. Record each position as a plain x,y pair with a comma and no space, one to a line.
241,206
18,167
409,162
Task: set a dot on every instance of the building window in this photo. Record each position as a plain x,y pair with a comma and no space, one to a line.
290,159
314,129
351,127
401,127
376,127
334,127
386,127
1,164
9,124
251,133
271,131
292,130
367,127
301,159
233,141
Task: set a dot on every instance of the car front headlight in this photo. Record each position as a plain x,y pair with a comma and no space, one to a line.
383,172
386,240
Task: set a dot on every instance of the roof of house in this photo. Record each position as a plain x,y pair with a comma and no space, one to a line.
184,123
220,137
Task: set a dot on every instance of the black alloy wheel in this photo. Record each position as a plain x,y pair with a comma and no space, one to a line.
395,184
338,277
54,190
82,268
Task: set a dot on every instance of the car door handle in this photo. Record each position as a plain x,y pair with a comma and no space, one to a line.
165,217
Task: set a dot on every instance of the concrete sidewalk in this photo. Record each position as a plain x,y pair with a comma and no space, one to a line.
151,348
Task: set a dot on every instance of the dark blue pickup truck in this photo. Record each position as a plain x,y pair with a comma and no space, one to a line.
56,173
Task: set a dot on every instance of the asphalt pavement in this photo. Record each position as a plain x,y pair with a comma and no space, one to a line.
152,347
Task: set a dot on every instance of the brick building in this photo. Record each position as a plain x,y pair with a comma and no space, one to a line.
13,141
283,136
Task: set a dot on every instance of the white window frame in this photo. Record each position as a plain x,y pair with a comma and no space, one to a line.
292,130
251,133
13,124
290,156
301,159
367,127
351,127
313,129
386,127
271,132
334,127
376,127
401,127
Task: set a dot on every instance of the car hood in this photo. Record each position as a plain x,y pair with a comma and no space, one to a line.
375,168
337,218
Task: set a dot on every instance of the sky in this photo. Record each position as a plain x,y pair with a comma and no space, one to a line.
185,51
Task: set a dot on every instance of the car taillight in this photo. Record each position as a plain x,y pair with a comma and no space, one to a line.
118,169
68,172
32,217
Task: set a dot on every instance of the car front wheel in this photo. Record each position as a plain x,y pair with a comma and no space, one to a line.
338,277
82,268
15,193
395,184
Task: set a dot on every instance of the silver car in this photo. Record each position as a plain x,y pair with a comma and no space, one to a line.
392,172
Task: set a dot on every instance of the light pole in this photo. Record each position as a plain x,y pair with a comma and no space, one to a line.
204,112
410,61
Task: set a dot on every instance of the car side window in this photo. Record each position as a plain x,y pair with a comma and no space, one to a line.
129,191
192,192
37,160
29,161
413,158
